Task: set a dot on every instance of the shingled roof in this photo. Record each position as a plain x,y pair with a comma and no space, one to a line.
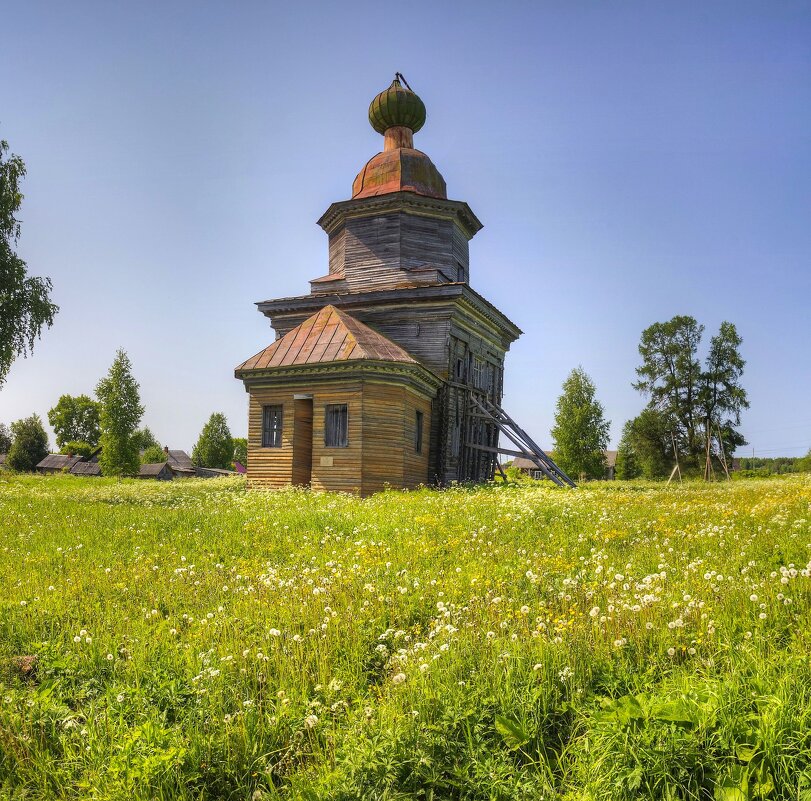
86,469
329,335
151,470
58,461
178,460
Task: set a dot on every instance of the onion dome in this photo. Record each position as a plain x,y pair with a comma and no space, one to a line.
397,113
397,106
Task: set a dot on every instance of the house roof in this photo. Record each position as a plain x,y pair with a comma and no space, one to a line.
179,459
59,461
151,469
86,469
329,335
526,464
209,472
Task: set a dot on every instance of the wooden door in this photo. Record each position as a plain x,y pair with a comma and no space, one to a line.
302,441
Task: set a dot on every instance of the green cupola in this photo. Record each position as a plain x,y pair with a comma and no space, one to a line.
397,107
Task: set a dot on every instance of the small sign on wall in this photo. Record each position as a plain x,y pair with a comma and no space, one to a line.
326,461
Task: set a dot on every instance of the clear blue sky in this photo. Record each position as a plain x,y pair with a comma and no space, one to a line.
630,162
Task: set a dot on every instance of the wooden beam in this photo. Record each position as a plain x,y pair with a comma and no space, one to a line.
489,449
521,439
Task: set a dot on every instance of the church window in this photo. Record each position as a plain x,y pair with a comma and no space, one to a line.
419,419
478,372
272,426
336,425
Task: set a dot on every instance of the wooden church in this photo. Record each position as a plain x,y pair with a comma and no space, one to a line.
390,371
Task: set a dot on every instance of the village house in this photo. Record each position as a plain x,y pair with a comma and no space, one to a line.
390,371
530,468
58,463
86,469
160,471
178,464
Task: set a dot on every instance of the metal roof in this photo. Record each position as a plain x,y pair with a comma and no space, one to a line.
329,335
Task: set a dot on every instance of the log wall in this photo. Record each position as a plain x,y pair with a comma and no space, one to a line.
271,467
389,250
381,437
389,420
302,441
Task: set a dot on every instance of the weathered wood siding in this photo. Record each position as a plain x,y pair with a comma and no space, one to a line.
372,252
381,434
302,441
461,251
427,241
416,465
271,467
336,251
344,474
389,416
383,428
396,249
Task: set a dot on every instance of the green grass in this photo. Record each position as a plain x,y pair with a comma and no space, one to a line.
197,641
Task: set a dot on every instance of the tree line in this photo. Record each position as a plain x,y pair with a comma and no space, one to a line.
111,422
692,415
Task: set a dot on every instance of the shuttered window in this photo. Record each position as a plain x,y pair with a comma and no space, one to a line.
336,425
271,426
418,432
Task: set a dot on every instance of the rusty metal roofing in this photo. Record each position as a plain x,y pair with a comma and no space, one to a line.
400,170
329,335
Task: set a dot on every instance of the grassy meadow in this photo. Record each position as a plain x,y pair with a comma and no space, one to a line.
197,641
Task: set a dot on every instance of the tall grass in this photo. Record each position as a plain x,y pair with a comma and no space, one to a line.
197,641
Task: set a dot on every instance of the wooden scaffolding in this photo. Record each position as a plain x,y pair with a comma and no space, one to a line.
484,422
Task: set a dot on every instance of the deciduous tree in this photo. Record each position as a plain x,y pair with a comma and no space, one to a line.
25,304
580,431
214,447
76,448
696,401
121,412
30,445
670,375
153,455
75,419
146,439
646,447
722,397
